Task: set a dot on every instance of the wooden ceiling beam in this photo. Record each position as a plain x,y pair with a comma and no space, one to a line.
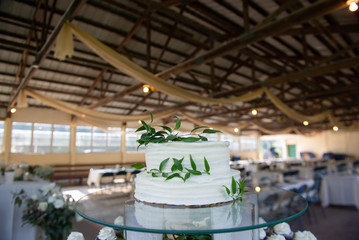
69,14
256,34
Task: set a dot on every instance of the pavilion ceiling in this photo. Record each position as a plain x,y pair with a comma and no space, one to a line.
304,52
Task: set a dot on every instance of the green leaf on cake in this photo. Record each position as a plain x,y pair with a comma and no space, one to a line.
199,127
193,164
206,165
211,131
227,190
177,175
190,139
178,123
234,186
194,172
138,166
167,128
163,164
186,176
178,164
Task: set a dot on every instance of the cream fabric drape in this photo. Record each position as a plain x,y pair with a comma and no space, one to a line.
64,47
82,112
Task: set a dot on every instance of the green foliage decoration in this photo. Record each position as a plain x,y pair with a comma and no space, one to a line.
177,169
168,134
236,190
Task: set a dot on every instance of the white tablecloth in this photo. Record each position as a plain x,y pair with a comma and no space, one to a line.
95,174
11,224
340,190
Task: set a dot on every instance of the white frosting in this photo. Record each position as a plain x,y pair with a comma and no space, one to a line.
282,228
76,236
305,235
184,218
198,189
275,237
216,153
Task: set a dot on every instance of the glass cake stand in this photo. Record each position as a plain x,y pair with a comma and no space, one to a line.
273,205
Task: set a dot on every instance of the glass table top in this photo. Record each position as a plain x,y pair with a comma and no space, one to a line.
115,207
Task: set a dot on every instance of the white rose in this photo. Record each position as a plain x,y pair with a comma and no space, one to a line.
282,228
48,188
305,235
262,233
76,236
34,197
275,237
59,203
51,199
42,206
107,233
262,221
118,220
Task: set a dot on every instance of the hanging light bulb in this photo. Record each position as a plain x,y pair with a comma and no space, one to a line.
353,5
335,129
236,130
257,188
254,112
139,122
146,88
305,123
13,110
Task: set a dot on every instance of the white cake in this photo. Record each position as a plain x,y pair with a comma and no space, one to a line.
197,190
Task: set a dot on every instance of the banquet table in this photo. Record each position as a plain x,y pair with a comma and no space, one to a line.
95,175
296,183
340,190
11,224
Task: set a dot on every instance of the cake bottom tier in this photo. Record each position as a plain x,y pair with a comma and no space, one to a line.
196,191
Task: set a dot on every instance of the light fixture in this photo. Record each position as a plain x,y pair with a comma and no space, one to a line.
305,123
257,189
147,88
236,130
353,5
335,129
83,115
13,110
254,112
139,122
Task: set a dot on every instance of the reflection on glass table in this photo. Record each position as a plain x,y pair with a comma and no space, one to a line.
274,205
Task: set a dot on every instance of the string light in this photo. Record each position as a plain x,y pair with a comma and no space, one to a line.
335,129
13,110
83,115
236,130
254,112
353,5
305,123
139,122
257,189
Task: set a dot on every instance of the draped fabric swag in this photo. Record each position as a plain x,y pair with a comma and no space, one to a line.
64,47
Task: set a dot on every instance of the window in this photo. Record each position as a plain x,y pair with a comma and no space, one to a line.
114,140
248,144
99,140
93,139
21,137
83,139
60,138
39,138
42,135
131,138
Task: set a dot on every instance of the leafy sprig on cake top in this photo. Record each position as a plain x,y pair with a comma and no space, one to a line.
177,169
168,134
236,190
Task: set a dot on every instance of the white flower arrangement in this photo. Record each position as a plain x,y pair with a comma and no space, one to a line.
49,210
